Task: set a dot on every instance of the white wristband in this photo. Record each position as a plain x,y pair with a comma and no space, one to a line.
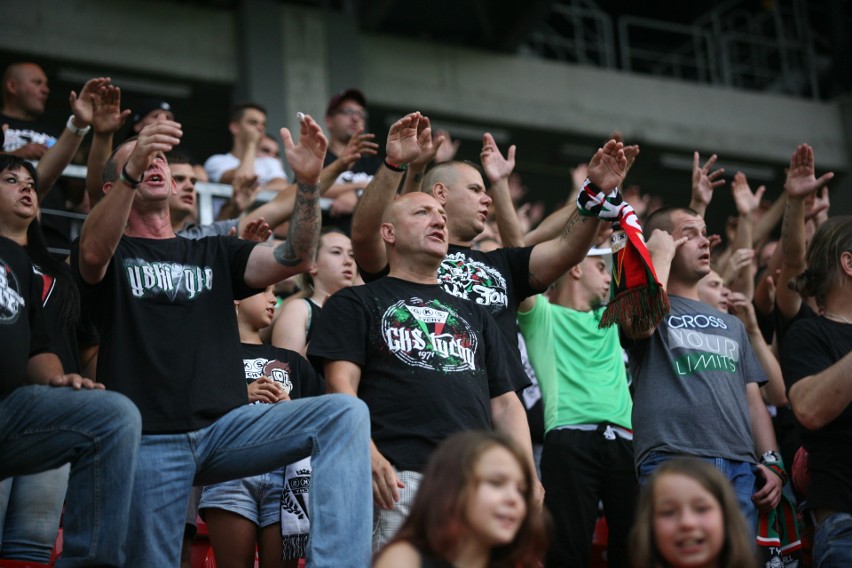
78,131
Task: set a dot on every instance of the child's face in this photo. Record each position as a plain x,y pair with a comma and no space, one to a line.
335,264
496,507
688,522
258,310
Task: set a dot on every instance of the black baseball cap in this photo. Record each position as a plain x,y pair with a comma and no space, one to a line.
149,106
348,94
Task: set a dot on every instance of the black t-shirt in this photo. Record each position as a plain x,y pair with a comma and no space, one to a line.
285,367
430,363
169,338
22,330
812,345
62,334
498,280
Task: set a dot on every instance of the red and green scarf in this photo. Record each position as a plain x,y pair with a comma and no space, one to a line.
637,299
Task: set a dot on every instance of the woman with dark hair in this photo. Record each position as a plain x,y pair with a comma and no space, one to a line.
688,517
474,508
30,506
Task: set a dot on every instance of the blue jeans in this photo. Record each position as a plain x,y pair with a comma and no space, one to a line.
96,431
252,439
30,508
740,474
833,542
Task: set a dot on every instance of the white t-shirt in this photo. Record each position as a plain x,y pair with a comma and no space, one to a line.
266,168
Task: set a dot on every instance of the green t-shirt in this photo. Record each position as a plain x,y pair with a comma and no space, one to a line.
580,367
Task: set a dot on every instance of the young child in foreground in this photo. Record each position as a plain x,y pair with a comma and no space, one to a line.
474,508
688,517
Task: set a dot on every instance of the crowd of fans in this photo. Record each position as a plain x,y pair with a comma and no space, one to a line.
431,374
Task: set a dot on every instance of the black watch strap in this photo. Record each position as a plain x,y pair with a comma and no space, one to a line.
129,181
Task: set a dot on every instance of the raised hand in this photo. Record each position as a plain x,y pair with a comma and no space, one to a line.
662,246
818,206
446,151
406,140
741,258
82,106
630,152
746,201
245,190
801,180
579,173
257,231
430,147
495,166
307,156
360,144
107,116
159,136
608,166
741,306
704,181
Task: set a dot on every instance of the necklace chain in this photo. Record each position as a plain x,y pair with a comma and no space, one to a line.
834,316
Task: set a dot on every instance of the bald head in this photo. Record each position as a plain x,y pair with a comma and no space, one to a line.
24,91
407,201
414,228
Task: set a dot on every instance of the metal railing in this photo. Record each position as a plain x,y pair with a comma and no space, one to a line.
730,45
206,193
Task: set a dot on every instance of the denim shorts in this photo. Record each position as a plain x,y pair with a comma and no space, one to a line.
257,498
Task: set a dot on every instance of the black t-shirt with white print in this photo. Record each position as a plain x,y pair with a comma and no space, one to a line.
497,280
287,368
430,362
169,338
22,329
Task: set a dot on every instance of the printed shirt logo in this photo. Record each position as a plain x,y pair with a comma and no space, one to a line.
48,285
170,279
273,369
429,335
11,301
695,351
472,280
18,137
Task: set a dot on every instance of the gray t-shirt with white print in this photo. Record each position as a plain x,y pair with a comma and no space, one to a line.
690,378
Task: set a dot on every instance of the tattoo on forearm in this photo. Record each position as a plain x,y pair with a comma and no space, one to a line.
572,220
785,221
304,230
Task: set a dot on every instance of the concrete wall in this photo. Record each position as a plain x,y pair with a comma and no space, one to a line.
155,36
196,42
551,96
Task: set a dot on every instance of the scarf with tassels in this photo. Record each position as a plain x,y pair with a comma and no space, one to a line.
637,299
295,499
